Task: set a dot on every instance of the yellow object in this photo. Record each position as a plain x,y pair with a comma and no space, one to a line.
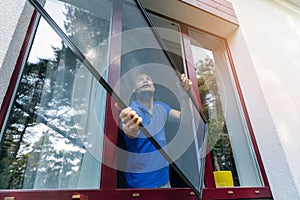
223,179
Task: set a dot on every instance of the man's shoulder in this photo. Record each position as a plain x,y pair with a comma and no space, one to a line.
161,103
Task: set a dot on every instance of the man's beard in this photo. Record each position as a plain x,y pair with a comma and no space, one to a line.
144,96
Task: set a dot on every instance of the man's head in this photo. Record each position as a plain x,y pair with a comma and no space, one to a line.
144,87
144,82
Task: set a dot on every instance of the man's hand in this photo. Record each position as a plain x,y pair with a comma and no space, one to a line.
185,82
130,122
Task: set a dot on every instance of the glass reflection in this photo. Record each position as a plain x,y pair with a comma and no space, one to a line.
219,141
54,133
87,24
233,158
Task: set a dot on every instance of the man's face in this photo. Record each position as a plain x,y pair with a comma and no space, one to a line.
144,83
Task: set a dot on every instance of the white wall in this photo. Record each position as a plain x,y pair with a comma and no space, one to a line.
270,82
14,19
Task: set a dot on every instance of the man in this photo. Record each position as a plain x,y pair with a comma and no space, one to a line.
146,167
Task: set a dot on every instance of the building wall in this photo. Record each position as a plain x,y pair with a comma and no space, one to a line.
14,19
269,80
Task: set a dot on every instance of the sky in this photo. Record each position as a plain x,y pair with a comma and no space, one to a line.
45,36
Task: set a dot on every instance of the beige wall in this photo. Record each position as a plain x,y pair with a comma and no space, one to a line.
270,83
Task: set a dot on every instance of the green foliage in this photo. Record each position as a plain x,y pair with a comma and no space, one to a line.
218,137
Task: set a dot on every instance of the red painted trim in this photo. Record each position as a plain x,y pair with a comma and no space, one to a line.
14,78
109,177
248,121
214,8
237,193
189,61
227,8
209,176
150,194
145,194
109,174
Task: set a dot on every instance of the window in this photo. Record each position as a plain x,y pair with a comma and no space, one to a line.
229,142
141,51
53,136
61,128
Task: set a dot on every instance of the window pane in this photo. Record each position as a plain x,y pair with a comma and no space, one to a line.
231,148
87,24
53,135
143,55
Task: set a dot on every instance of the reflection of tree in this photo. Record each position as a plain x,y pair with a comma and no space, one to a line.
12,163
39,146
219,141
84,29
40,95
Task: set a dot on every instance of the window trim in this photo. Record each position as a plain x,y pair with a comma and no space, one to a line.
109,175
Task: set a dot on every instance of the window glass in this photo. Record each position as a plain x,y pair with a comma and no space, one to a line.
142,54
170,33
87,24
232,155
53,135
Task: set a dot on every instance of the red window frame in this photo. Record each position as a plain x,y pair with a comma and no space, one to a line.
108,188
211,192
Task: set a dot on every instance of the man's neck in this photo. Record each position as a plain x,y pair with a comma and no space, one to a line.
146,99
147,103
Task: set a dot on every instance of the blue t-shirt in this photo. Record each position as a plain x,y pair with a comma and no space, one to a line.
146,167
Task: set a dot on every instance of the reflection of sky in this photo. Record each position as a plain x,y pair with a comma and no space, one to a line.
45,36
200,53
